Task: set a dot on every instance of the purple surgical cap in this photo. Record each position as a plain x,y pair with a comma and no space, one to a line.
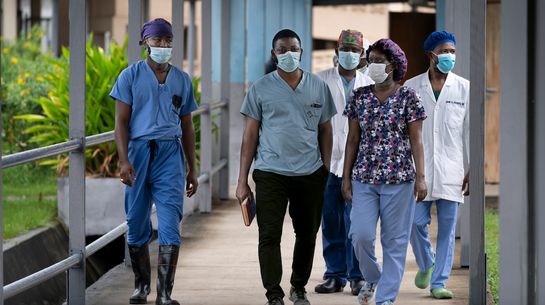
393,53
156,28
438,38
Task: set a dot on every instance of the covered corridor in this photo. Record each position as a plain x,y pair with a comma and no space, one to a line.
218,265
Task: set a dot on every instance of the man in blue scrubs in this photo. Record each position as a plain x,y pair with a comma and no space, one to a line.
288,132
153,132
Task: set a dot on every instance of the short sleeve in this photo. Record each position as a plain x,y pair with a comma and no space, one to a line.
122,90
251,107
414,110
350,110
329,105
190,104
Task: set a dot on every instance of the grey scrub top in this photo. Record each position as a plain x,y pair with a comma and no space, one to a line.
288,139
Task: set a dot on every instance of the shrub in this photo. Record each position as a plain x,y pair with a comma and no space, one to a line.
23,80
52,126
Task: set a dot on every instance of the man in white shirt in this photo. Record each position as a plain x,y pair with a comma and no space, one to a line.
338,252
445,135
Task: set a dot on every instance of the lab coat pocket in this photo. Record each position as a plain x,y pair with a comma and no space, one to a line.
453,170
454,115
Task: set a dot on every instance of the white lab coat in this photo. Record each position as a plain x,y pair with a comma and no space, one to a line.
340,122
445,135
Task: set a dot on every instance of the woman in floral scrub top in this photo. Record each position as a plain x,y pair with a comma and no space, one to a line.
385,124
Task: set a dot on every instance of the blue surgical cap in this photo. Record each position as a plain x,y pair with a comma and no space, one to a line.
438,38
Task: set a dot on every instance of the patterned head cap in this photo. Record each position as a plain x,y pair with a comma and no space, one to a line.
438,38
393,53
156,28
352,37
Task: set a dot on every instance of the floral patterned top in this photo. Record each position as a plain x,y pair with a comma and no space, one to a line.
384,154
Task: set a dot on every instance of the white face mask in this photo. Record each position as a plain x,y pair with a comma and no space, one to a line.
377,72
160,55
349,60
288,61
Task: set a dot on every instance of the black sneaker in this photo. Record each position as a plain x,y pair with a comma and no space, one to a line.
298,296
355,286
275,301
330,285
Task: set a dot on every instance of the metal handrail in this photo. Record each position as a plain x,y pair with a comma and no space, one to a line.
41,276
75,144
47,273
40,153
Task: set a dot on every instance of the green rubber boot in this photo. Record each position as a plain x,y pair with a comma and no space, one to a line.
422,279
441,293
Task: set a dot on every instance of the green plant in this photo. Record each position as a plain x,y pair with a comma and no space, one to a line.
197,121
52,125
23,80
492,223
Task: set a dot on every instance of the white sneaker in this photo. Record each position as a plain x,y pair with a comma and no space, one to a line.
367,294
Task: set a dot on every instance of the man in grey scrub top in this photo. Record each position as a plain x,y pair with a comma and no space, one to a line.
288,134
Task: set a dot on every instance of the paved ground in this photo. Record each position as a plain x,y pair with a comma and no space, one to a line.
218,265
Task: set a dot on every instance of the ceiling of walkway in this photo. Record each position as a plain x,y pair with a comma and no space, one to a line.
344,2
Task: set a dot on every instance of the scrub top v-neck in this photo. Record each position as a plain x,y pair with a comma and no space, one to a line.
156,108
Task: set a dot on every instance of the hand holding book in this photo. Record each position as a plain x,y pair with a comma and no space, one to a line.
248,208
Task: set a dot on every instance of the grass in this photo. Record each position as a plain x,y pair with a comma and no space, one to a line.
29,199
492,250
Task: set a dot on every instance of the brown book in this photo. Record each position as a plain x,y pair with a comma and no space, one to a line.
248,209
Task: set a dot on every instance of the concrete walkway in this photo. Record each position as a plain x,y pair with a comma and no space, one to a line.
218,265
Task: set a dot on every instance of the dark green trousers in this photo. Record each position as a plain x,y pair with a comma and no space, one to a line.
305,195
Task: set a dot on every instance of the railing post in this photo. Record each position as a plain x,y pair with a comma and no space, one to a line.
206,99
224,96
134,52
76,214
191,39
477,260
135,23
178,32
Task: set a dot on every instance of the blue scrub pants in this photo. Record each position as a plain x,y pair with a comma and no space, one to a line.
420,241
394,204
160,178
338,251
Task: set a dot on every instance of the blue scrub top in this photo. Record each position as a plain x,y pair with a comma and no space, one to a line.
156,108
290,119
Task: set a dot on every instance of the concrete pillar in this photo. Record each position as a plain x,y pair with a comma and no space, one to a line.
454,14
539,145
514,207
178,33
477,257
237,85
206,99
76,213
191,39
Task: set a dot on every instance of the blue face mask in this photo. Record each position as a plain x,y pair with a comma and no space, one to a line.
288,61
160,55
445,62
349,60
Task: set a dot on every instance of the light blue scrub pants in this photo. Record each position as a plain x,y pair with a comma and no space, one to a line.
420,241
394,204
160,178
